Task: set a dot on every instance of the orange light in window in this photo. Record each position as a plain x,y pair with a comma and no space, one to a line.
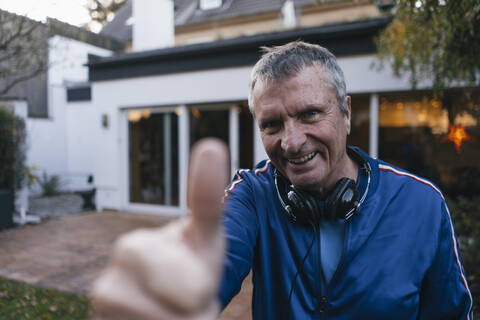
457,135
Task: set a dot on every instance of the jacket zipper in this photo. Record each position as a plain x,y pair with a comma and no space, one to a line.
324,299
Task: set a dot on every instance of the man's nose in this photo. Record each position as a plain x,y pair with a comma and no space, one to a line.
293,139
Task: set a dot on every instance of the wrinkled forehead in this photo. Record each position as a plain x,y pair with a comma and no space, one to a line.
281,71
267,79
262,81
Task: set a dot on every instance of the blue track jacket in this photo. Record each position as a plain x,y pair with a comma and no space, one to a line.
400,257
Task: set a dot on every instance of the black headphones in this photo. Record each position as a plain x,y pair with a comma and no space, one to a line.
341,203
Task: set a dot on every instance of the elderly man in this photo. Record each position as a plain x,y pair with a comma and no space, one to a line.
328,231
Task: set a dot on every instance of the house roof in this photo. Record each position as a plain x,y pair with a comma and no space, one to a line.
238,8
58,27
342,39
118,28
188,12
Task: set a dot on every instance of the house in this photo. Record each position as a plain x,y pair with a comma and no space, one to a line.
174,85
126,105
53,103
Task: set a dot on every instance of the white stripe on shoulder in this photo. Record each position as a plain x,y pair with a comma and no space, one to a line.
264,168
384,167
238,174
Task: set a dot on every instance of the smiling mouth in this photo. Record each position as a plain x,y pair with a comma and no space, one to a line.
303,159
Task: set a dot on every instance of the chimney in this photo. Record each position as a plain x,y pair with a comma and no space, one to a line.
288,12
153,25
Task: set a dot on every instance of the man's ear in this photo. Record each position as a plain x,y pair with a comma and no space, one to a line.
348,115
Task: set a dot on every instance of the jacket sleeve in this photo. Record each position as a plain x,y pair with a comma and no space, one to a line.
241,229
445,293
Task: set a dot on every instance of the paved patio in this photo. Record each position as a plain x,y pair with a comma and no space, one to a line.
69,252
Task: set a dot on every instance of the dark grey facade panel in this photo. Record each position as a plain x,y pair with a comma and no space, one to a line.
343,40
79,94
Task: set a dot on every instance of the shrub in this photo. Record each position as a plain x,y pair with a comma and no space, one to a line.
51,185
466,216
13,153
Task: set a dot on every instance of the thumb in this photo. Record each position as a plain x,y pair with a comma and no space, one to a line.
208,177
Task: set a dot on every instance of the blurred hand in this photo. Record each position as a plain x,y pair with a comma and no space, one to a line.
172,272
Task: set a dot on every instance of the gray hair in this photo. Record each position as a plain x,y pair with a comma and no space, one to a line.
282,62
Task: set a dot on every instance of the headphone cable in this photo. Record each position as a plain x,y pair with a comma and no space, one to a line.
301,266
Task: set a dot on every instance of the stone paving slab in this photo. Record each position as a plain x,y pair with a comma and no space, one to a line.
56,251
70,251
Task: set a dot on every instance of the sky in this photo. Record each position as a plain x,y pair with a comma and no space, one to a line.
70,11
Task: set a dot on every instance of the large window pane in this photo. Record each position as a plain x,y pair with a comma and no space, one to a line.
153,141
435,138
205,122
360,122
245,134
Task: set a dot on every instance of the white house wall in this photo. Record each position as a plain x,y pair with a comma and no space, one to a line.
80,127
112,97
55,145
362,75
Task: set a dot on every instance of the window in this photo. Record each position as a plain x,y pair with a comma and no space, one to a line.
207,122
153,142
436,138
245,134
360,122
210,4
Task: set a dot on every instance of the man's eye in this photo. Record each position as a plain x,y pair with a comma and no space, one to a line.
270,126
310,115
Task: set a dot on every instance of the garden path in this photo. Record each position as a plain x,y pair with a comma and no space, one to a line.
68,250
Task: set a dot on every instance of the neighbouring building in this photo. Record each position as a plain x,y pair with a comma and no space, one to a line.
56,104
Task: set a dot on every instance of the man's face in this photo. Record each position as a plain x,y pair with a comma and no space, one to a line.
303,130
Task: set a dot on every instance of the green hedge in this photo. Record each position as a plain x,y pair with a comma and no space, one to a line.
466,216
13,153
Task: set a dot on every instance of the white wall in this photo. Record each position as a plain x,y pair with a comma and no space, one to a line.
55,142
80,123
361,76
112,97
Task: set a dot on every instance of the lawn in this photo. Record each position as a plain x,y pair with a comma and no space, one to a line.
19,300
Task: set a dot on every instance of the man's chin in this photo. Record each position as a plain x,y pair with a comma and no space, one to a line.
304,184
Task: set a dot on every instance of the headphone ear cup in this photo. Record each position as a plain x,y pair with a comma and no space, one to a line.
341,199
304,206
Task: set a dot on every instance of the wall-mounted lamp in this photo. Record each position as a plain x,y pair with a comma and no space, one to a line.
105,120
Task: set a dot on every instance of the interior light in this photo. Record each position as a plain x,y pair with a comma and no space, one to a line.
134,116
146,114
196,113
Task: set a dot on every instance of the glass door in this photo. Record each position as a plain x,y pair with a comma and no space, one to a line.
153,155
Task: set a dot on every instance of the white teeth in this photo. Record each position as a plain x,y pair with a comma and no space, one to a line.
302,159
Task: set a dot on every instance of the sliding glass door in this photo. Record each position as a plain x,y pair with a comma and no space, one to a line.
153,153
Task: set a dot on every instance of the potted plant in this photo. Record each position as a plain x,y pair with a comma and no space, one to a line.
12,163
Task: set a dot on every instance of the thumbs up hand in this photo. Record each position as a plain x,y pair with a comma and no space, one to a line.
172,272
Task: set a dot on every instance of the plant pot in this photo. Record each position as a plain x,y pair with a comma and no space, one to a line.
6,209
